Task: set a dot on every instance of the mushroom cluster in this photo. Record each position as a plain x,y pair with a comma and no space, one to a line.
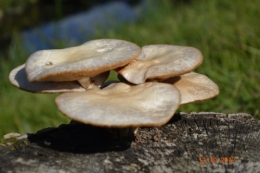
153,81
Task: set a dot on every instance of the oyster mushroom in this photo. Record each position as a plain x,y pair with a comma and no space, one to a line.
161,62
158,80
19,79
194,87
122,105
75,63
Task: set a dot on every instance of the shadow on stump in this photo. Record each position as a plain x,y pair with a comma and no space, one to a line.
81,138
195,142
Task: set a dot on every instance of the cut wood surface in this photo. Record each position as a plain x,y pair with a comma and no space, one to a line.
195,142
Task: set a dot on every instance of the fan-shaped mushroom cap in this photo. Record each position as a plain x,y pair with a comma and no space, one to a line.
194,87
122,105
87,60
161,62
19,79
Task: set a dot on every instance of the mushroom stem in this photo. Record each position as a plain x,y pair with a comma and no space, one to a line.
97,80
85,82
92,86
100,79
119,133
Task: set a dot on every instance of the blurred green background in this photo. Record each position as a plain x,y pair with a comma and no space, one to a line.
226,32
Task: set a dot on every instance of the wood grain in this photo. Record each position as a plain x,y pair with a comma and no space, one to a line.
229,143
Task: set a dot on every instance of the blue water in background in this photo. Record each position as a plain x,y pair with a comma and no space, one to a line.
76,29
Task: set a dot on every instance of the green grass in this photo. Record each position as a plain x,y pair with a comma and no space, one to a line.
226,32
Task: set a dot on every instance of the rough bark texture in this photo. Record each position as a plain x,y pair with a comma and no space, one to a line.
229,143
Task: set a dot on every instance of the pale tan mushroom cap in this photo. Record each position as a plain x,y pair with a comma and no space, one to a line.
161,62
19,79
122,105
87,60
194,87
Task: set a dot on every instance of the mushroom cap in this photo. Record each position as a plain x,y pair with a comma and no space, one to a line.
122,105
87,60
194,87
161,62
19,79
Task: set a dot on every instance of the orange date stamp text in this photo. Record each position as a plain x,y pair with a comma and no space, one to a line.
214,159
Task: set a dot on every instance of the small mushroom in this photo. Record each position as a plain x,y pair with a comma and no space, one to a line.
19,79
87,60
122,105
194,87
161,62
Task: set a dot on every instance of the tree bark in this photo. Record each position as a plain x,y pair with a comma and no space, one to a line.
195,142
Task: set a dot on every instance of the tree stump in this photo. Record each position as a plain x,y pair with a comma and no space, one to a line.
195,142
